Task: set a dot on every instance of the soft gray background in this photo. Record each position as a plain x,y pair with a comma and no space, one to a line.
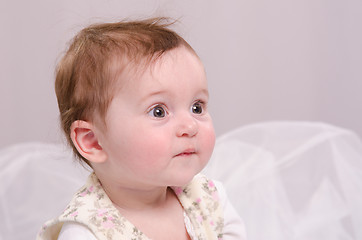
265,60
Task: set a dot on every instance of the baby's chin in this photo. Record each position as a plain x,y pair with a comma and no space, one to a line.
184,179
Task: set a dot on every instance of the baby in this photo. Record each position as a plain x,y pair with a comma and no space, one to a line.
133,100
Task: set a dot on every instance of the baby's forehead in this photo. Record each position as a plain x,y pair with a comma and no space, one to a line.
128,69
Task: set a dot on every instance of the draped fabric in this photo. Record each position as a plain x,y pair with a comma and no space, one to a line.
293,180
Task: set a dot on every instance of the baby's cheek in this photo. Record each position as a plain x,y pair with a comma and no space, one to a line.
152,147
208,140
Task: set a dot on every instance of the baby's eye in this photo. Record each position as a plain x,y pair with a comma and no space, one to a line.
157,112
197,108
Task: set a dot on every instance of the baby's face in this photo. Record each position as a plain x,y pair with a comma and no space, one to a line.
159,131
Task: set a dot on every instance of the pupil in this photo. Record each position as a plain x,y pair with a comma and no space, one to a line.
159,112
197,108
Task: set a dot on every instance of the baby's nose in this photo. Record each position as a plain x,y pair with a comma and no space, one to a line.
187,126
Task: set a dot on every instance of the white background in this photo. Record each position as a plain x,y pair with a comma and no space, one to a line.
265,60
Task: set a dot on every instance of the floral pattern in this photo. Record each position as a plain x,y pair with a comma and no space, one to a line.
202,207
92,207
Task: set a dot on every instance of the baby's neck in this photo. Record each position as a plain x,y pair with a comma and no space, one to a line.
136,199
150,210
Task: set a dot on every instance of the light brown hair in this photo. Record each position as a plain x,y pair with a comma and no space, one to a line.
85,86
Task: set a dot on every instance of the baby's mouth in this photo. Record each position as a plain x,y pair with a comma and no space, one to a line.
186,153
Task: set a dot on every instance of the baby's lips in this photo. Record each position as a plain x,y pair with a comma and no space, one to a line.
186,152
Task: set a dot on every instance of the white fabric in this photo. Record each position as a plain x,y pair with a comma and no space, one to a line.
234,227
37,181
288,180
75,231
293,180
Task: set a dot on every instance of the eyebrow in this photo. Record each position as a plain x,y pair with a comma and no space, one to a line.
161,92
155,93
205,91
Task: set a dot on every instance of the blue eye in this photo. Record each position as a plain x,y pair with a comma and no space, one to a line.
157,112
197,108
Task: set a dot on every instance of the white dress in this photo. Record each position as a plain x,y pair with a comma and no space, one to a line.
233,225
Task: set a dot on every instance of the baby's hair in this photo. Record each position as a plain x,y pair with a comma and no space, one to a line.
84,83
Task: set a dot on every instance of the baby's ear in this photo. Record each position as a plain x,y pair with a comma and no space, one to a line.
86,142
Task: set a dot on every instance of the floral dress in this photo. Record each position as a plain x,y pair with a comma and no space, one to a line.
91,207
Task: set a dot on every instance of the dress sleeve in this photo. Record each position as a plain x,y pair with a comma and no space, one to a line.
75,231
234,228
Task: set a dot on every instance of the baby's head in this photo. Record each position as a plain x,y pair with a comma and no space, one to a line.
106,62
86,76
